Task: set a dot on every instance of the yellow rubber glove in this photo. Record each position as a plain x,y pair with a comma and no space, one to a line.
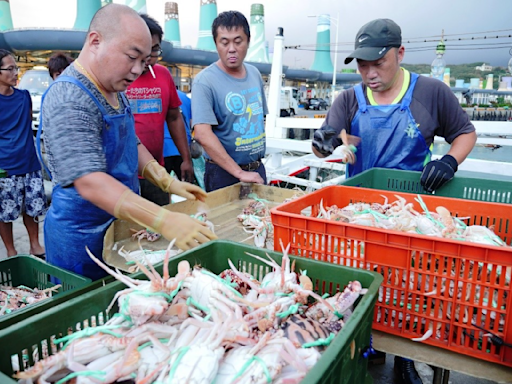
158,175
187,231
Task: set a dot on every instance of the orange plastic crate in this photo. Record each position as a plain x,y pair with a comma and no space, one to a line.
425,262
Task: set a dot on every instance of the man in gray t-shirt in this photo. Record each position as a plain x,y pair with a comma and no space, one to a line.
228,108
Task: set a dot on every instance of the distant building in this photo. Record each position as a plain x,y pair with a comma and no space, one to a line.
484,68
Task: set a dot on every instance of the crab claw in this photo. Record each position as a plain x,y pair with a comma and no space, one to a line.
443,212
348,154
348,148
306,282
183,267
349,140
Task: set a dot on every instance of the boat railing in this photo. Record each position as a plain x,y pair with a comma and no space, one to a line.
286,157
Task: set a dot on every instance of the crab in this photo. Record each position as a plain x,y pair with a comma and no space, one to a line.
145,234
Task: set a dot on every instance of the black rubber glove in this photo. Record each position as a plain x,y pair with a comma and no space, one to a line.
438,172
325,140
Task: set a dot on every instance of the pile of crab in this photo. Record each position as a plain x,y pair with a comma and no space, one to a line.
14,298
199,327
256,220
401,216
437,292
146,254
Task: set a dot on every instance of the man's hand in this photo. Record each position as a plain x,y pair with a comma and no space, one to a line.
187,171
251,177
325,140
187,231
348,153
438,172
157,175
187,190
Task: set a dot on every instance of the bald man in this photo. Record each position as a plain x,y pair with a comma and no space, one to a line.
94,156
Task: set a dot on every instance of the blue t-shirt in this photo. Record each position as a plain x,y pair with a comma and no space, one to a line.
186,111
18,154
235,108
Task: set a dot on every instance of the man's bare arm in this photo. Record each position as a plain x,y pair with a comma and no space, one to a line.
462,146
211,144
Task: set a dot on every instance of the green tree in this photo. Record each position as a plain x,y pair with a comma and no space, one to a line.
462,71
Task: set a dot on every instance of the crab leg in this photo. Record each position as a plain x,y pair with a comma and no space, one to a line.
118,276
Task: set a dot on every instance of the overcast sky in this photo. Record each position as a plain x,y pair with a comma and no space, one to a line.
419,20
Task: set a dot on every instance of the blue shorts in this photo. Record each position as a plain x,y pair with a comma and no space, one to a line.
22,193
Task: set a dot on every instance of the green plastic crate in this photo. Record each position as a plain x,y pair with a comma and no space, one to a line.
465,185
35,273
335,366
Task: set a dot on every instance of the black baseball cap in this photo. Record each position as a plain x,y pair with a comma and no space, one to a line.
375,39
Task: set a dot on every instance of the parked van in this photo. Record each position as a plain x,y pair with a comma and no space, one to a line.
36,81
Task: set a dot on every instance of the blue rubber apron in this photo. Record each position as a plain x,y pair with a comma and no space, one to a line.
72,223
390,137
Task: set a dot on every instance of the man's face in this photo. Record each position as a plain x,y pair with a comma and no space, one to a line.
9,72
380,75
121,59
232,47
156,51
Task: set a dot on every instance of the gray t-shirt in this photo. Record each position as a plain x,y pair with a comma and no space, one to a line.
72,126
235,108
434,107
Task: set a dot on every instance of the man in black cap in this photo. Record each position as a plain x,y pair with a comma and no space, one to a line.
395,114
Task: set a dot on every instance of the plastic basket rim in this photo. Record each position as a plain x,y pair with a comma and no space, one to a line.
82,282
428,196
490,253
46,264
458,176
367,302
278,210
